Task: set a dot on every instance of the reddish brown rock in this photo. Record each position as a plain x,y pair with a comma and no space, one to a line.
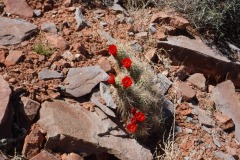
33,142
18,7
228,103
185,91
160,35
56,41
13,58
71,156
217,67
2,56
168,30
103,62
160,17
198,80
30,108
179,22
44,155
151,54
224,121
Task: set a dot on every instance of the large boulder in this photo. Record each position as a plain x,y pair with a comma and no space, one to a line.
228,103
71,128
194,54
15,31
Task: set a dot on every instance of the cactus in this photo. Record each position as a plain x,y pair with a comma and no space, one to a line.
139,95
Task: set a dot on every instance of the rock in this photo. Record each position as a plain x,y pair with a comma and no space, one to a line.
231,151
67,3
151,55
56,41
5,110
95,99
137,47
61,119
152,29
218,67
15,31
81,23
30,108
178,129
49,27
13,58
105,35
168,30
117,7
222,155
179,22
19,7
71,156
107,96
104,63
1,8
4,99
44,155
103,24
37,12
33,142
68,55
198,80
216,142
227,102
162,84
46,74
185,91
225,122
160,17
81,81
2,56
189,131
204,118
141,35
160,35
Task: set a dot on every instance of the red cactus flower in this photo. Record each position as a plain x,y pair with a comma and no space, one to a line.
133,110
112,49
133,120
127,62
140,116
126,81
132,127
111,79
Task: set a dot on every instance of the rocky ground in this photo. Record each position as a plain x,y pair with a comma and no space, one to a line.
54,57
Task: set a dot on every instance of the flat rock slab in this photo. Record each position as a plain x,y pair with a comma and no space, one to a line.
13,31
71,128
194,54
228,103
81,81
18,7
46,74
5,92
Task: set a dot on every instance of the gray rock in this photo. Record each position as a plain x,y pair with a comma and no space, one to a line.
49,27
152,29
71,128
216,142
81,81
15,31
141,35
46,74
37,12
30,108
68,55
197,54
223,156
105,35
162,83
228,103
136,46
106,95
4,99
189,119
103,24
105,109
117,7
204,118
81,23
178,129
198,80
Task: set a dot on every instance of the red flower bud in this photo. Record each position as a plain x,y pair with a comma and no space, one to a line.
111,79
140,116
132,127
133,110
126,82
126,62
133,120
112,49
